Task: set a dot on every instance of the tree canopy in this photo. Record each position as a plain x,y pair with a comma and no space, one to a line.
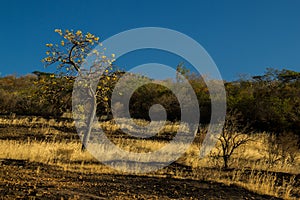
270,103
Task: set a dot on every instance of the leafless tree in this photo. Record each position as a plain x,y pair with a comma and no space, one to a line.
232,137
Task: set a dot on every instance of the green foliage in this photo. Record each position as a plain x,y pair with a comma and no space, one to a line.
54,94
270,103
151,94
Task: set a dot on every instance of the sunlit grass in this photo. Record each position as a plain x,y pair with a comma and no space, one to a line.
248,163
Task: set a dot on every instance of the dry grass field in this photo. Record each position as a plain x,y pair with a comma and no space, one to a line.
42,159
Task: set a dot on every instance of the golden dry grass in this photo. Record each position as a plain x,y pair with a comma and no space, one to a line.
249,159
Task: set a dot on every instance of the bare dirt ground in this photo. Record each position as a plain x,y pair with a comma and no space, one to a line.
20,179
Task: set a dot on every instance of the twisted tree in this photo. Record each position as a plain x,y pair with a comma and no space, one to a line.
68,56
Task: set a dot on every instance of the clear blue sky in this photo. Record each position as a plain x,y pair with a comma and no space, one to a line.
243,37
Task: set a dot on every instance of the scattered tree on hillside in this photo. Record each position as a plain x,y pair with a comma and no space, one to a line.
68,56
233,136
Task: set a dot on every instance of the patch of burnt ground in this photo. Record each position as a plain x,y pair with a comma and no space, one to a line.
20,179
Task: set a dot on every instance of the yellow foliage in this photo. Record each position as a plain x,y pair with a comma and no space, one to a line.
78,42
78,33
58,31
105,99
48,59
95,51
89,35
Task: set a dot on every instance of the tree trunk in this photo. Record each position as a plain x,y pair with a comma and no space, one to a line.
225,159
90,121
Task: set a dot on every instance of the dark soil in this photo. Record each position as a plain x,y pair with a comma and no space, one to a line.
23,133
20,179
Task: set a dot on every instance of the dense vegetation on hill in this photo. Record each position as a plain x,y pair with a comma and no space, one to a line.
270,102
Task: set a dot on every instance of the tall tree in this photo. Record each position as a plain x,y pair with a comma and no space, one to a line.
69,55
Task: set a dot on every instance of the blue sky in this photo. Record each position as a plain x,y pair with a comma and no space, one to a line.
242,37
